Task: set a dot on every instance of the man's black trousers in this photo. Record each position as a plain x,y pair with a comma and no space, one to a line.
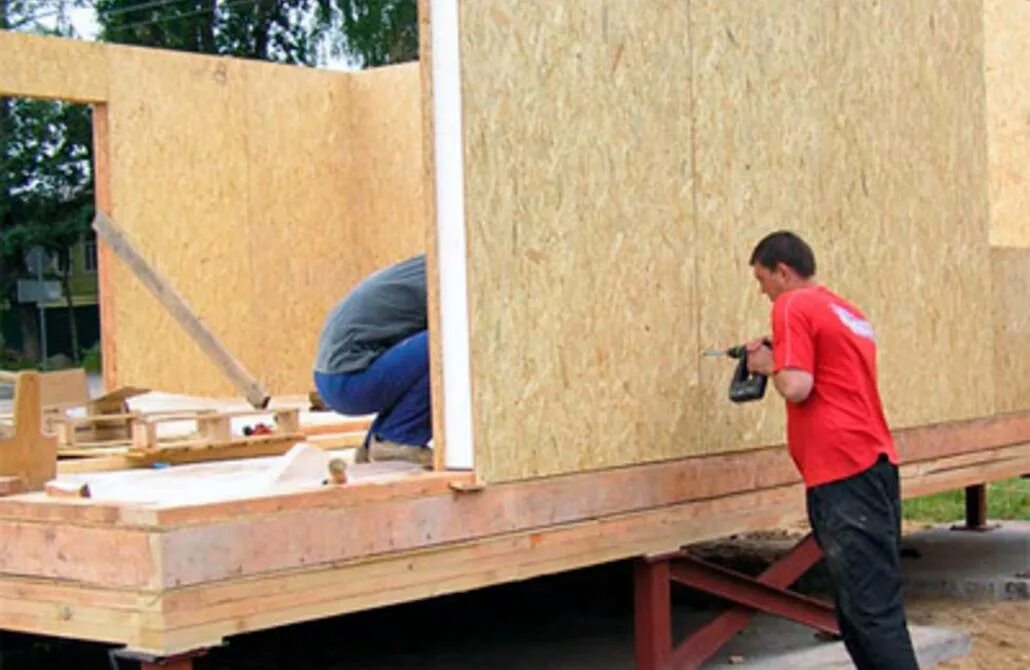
857,524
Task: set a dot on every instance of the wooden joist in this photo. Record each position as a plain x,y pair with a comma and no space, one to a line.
155,610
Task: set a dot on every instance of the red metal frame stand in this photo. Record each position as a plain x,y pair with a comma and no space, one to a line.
767,593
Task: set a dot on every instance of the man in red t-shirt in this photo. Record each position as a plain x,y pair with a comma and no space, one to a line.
823,362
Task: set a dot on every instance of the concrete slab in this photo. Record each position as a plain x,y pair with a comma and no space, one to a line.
991,565
764,648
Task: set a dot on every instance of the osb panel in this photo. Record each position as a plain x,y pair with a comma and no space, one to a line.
335,193
1011,329
1006,59
386,174
263,193
178,152
857,126
581,234
38,67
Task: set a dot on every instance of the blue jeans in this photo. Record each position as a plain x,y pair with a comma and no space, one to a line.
395,387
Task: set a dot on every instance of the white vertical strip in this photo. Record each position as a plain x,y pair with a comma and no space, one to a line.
450,232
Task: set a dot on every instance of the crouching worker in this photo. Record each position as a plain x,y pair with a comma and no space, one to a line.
373,357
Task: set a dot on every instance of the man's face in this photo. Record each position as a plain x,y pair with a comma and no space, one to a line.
771,282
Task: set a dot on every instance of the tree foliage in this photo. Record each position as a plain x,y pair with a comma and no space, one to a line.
287,31
379,32
46,180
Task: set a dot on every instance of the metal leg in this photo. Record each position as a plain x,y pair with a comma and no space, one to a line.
147,662
652,610
704,642
766,593
976,510
173,664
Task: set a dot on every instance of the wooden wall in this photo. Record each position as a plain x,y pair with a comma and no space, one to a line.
262,192
623,159
1007,53
1006,58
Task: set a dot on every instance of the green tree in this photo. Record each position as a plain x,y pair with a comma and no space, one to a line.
287,31
379,32
368,32
46,180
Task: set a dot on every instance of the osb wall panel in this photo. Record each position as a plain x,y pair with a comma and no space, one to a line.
581,234
36,67
263,193
1006,64
334,184
246,184
178,153
860,127
594,284
1011,329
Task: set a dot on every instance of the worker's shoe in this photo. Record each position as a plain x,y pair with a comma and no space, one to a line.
384,450
361,454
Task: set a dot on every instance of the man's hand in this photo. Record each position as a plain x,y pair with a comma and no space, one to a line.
760,357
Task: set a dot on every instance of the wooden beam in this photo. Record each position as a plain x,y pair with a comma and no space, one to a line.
170,299
53,68
105,257
30,453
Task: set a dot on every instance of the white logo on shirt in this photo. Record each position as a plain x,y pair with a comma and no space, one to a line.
854,323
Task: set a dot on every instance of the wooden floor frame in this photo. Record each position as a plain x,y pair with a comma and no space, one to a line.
166,580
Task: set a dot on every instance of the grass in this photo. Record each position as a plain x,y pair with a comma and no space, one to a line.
1008,499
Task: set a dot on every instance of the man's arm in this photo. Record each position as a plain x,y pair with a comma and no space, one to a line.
794,385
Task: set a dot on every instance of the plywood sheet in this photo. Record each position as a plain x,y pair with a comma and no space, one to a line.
604,198
860,127
1011,329
178,171
581,234
264,193
38,67
334,181
1006,59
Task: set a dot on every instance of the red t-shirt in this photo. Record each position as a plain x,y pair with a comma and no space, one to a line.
839,430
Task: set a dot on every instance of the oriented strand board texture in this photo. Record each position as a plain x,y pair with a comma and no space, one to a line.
1011,329
1007,73
264,193
623,159
581,234
37,67
860,126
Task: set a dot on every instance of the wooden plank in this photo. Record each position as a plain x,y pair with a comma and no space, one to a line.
352,426
110,557
11,484
179,618
29,453
242,605
235,546
161,289
590,495
106,284
436,386
52,68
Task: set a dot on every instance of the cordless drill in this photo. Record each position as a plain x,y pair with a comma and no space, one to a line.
745,386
